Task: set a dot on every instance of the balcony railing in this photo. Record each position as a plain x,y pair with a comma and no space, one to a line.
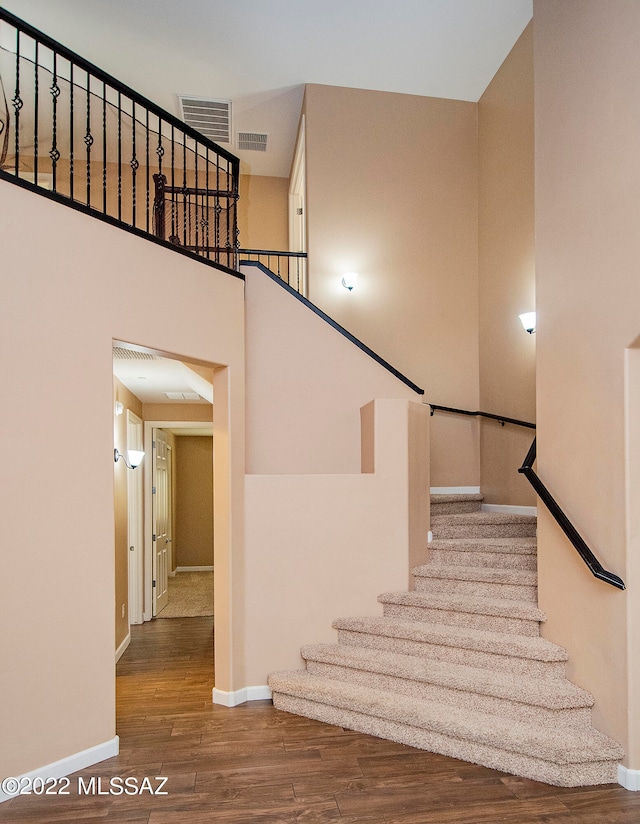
290,267
76,134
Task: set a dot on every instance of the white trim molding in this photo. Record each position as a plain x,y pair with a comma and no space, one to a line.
123,646
193,569
455,490
71,764
232,699
629,779
506,509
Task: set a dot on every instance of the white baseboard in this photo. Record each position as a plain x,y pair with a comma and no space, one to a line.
629,779
455,490
123,647
232,699
71,764
506,509
194,569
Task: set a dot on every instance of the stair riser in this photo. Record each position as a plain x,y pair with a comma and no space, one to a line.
493,623
602,772
455,655
455,508
484,589
499,560
469,531
454,697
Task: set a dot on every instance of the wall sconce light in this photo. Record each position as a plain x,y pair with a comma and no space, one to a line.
118,407
349,280
135,457
528,320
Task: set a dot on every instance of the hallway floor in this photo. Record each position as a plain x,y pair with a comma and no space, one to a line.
255,765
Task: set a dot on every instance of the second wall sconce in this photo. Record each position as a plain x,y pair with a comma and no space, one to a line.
135,457
349,280
528,321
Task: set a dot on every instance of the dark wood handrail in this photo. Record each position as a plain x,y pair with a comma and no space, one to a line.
546,497
565,524
500,418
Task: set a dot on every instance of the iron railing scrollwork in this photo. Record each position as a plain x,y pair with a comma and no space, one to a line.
75,133
546,497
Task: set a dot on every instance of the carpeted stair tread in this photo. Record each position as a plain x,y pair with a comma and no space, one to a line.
456,498
489,575
474,518
525,545
533,647
554,694
446,504
560,745
497,607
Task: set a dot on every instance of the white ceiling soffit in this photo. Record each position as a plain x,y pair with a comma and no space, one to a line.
153,379
212,118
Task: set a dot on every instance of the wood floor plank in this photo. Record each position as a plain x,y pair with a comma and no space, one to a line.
253,764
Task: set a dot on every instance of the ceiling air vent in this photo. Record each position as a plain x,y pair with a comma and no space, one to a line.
183,396
120,353
251,141
212,118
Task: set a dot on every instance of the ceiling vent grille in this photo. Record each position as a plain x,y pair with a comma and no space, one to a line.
252,141
183,396
120,353
212,118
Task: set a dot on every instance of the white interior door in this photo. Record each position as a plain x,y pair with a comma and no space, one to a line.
136,534
298,210
161,516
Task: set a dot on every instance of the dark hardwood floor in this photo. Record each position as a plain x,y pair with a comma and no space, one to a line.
255,765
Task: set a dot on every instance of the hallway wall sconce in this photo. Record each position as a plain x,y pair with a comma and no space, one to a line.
349,280
118,407
135,457
528,321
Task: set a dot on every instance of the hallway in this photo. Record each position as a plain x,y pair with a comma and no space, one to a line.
255,765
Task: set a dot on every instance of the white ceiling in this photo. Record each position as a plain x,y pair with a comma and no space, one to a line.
260,53
150,378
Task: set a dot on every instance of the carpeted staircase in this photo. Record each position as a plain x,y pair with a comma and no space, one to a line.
457,665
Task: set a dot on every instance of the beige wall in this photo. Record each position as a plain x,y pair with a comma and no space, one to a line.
196,412
588,291
321,547
121,507
305,386
506,273
193,525
392,194
263,216
65,298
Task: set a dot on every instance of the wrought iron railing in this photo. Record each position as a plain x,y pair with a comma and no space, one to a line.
73,132
291,267
546,497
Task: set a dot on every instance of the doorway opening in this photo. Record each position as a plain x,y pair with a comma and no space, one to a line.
179,508
168,406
